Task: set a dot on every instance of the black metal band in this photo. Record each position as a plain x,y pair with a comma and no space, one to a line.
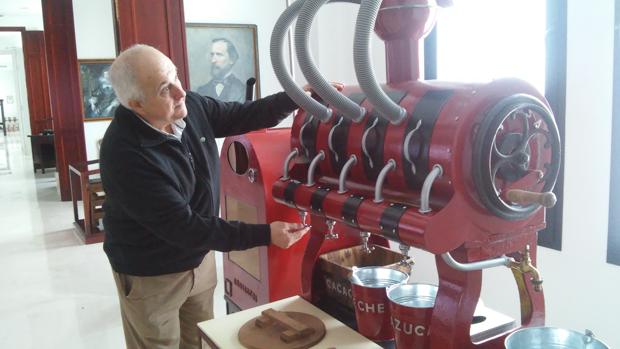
316,200
389,220
289,191
308,137
349,210
427,109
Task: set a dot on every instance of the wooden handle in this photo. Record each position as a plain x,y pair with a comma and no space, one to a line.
524,197
294,329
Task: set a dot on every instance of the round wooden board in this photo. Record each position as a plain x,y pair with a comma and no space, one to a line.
253,337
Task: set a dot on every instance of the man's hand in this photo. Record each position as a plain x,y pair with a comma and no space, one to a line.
285,234
337,85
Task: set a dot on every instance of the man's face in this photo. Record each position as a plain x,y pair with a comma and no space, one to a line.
221,63
164,97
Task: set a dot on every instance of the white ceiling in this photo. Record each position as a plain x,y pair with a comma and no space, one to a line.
21,13
18,13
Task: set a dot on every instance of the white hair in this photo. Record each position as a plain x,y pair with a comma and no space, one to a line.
123,74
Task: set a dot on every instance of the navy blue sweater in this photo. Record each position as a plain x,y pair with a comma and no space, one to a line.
162,194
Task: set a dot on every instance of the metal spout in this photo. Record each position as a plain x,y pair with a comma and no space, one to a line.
303,215
525,266
404,250
330,232
364,235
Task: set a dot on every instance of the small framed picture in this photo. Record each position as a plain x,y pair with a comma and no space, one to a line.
222,58
98,99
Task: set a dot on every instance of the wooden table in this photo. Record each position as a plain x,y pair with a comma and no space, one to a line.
84,179
221,333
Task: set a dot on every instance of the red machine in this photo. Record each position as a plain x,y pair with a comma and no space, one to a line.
250,164
465,174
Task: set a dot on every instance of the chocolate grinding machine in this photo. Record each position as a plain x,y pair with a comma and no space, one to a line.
461,170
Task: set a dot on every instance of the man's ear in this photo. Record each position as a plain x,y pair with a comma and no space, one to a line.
135,105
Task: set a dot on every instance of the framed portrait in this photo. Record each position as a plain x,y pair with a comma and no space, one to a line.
98,99
222,58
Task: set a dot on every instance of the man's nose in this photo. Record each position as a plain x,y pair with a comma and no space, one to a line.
178,91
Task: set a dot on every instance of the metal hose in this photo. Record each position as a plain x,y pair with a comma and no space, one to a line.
349,109
297,94
366,19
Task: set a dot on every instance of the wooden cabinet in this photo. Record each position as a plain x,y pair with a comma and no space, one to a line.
43,152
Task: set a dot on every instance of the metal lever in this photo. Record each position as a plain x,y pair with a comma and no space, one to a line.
287,161
303,215
364,137
425,206
364,235
330,138
320,156
345,171
390,166
301,135
406,146
330,230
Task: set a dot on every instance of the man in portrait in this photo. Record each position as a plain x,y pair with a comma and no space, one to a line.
102,100
224,85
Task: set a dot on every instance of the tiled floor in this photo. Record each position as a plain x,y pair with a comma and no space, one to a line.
55,292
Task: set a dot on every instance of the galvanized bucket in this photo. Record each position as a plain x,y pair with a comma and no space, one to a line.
377,277
411,306
370,300
552,338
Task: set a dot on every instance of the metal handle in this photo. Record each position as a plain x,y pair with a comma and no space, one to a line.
489,263
301,134
364,148
406,145
287,161
425,206
330,141
345,172
320,156
390,166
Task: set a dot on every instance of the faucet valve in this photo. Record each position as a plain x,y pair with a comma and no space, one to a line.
364,235
404,250
526,266
330,232
303,215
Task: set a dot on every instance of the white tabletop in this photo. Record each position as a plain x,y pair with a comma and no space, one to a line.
222,332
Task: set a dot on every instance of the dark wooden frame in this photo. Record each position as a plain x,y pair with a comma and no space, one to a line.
555,92
613,242
253,30
85,62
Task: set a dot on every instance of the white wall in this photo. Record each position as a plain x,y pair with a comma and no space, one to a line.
13,85
263,13
94,36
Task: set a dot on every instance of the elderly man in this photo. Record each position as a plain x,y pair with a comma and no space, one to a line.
160,172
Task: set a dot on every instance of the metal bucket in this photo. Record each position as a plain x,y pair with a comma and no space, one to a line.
552,338
411,306
370,300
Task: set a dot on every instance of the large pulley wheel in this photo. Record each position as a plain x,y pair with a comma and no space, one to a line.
517,146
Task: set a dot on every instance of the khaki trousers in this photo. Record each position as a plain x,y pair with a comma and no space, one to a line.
161,312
